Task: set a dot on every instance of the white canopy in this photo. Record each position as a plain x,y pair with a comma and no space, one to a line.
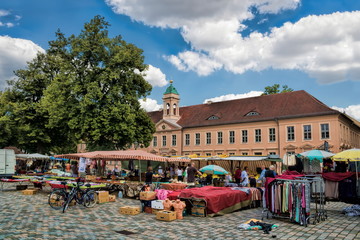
32,156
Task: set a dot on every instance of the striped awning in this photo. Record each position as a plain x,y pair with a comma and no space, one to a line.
119,155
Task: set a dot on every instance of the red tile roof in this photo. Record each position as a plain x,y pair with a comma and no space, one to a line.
277,106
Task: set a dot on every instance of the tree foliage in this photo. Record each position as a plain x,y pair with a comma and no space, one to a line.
84,87
274,89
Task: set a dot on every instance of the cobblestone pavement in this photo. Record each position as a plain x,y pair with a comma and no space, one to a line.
30,217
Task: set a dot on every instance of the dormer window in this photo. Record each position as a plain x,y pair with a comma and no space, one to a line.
252,113
213,117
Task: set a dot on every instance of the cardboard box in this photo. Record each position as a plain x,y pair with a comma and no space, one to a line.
198,211
148,210
129,210
166,216
112,198
103,196
155,211
157,204
29,191
199,204
147,195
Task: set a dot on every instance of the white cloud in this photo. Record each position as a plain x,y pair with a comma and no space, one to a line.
192,61
352,110
14,53
234,96
4,13
155,76
7,24
327,47
150,104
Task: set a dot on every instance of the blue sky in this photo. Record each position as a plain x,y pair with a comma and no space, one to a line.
212,49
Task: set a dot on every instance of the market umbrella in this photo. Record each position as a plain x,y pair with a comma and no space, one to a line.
352,155
213,169
316,154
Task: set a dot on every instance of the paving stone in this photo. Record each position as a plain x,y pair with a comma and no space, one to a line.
30,217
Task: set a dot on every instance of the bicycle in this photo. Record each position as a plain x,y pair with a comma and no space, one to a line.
61,198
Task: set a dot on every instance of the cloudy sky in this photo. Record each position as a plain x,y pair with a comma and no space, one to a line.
212,49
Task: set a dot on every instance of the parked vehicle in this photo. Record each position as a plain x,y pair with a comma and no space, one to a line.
7,162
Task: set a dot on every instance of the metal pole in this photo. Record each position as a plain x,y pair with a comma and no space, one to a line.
139,171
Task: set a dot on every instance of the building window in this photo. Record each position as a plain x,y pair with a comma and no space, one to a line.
208,138
208,154
272,135
219,153
290,133
252,113
272,153
307,132
244,136
174,140
174,109
213,117
257,135
232,137
164,141
197,138
187,139
325,134
244,153
155,141
167,109
258,153
231,154
220,138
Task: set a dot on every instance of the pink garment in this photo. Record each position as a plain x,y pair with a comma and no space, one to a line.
161,194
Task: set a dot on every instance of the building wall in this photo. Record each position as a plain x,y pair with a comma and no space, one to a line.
342,135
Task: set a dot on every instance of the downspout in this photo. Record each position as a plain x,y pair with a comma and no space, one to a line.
278,138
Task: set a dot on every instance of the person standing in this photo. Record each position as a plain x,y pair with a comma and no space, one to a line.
179,173
271,172
149,175
237,175
262,174
191,172
245,177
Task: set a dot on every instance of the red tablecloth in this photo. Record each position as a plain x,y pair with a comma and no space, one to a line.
218,198
174,195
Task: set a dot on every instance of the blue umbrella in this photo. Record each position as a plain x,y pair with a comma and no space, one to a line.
213,169
316,154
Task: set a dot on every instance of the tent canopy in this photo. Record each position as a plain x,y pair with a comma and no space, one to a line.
120,155
32,156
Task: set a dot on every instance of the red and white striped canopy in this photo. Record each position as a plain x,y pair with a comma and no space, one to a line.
118,155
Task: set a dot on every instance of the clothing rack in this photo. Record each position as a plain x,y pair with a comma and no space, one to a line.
291,199
317,194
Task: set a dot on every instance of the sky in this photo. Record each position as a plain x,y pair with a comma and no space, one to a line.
212,49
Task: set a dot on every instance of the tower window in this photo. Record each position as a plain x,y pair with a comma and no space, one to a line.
252,113
167,109
174,109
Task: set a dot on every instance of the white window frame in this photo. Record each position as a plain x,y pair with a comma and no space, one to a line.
257,135
231,137
288,134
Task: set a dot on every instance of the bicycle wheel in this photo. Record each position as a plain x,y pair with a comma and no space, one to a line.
57,199
90,199
68,201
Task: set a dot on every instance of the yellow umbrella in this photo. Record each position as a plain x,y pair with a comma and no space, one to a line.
352,155
348,155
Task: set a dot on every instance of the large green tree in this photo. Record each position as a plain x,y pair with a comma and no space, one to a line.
85,87
274,89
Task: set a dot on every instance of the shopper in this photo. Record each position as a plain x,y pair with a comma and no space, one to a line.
191,172
179,173
237,175
271,172
245,177
149,175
